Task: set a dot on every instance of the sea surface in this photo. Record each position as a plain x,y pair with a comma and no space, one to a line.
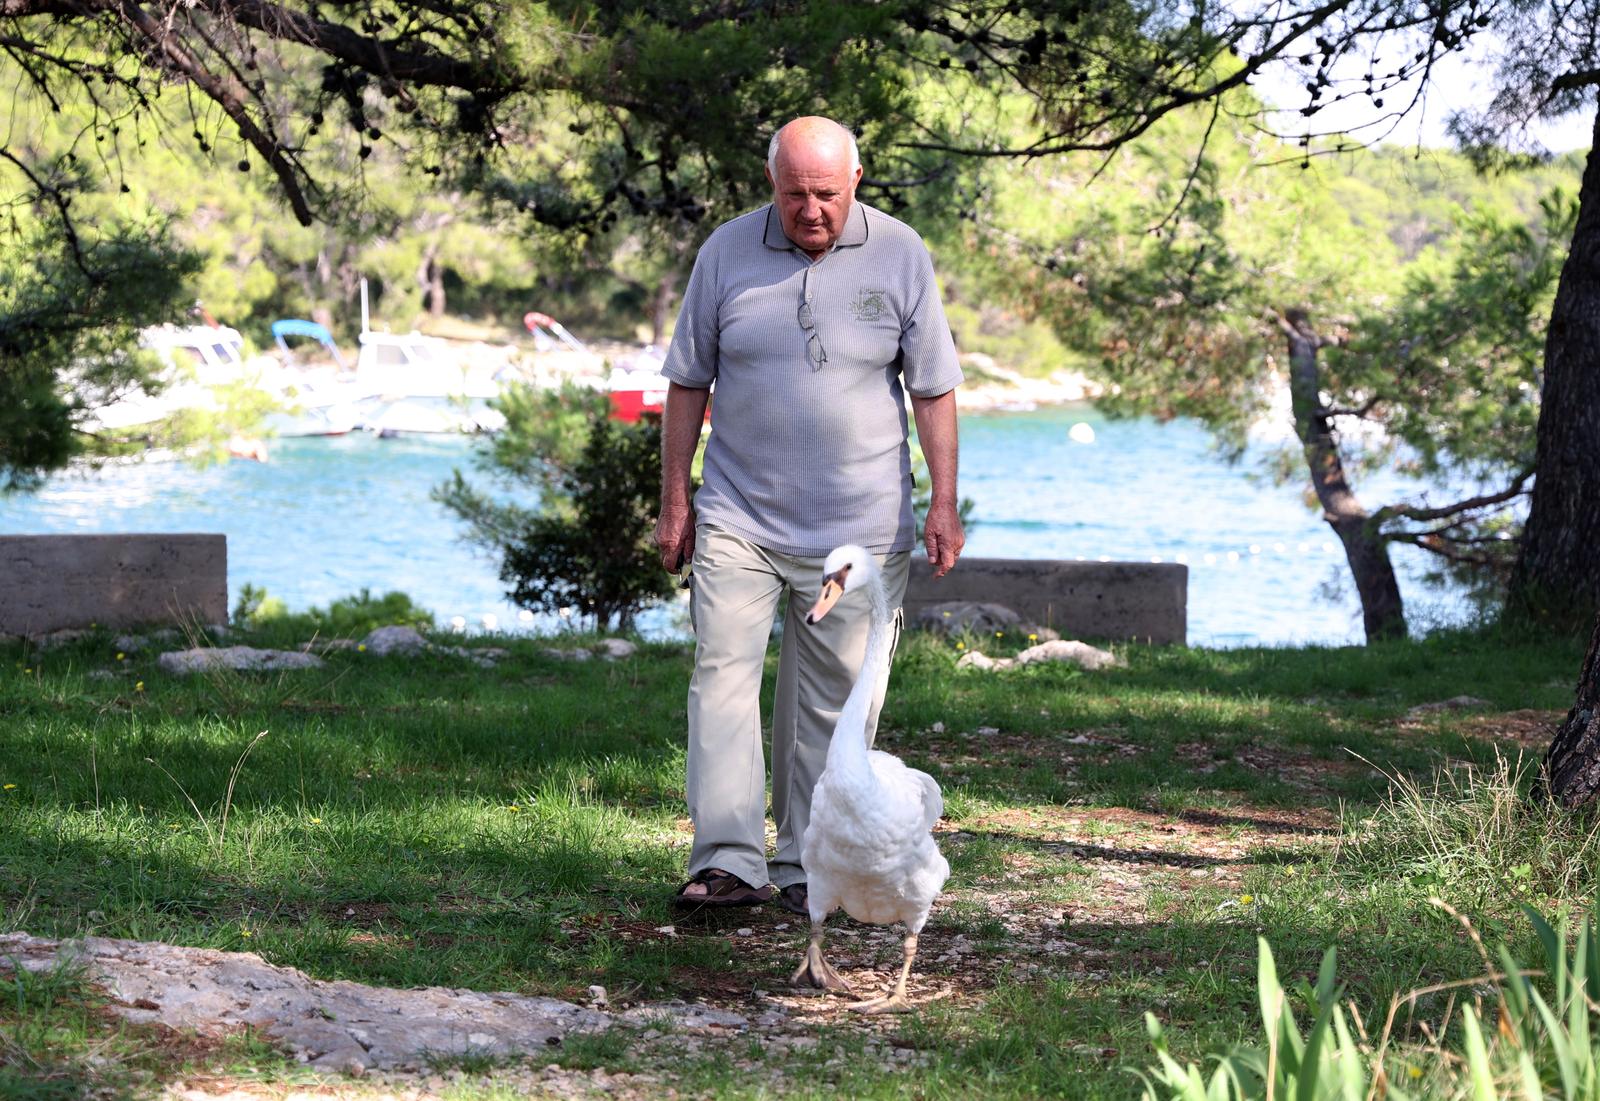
326,518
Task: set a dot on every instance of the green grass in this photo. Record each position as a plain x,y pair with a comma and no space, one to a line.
425,821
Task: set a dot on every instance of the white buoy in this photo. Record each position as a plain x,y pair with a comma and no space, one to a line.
1233,556
490,621
458,623
1081,433
1255,548
525,616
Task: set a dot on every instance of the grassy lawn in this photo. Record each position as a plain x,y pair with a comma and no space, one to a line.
1118,840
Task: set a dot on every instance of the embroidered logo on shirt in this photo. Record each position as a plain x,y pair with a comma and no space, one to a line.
869,304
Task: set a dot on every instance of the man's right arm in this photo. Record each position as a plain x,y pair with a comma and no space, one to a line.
680,435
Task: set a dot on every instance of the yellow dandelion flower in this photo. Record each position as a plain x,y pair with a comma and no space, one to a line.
138,686
246,933
513,808
27,670
1414,1072
1245,900
947,615
361,647
174,826
1033,638
120,655
961,646
316,821
999,634
8,787
1289,870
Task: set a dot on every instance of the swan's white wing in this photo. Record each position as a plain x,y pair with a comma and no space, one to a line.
932,798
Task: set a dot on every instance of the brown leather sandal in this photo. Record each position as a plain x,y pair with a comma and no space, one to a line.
722,889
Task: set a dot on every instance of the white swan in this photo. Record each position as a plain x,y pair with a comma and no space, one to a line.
868,848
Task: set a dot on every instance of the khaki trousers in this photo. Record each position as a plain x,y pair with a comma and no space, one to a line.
736,590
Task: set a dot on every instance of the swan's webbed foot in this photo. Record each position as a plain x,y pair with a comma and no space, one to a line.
897,1002
888,1003
816,971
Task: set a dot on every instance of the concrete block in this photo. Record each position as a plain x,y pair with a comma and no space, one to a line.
1135,601
53,582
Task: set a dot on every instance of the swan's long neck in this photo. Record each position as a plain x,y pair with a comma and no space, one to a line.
847,750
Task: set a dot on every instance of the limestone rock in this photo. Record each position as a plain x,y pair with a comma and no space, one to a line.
64,637
613,648
1077,653
342,1026
1454,703
576,654
972,659
183,662
967,615
395,640
683,1017
1073,652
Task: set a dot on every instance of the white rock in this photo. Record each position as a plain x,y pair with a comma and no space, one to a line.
972,659
339,1026
1454,703
597,995
1073,652
938,727
395,640
182,662
616,648
567,655
988,731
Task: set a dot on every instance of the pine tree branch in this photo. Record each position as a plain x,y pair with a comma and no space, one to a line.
1424,515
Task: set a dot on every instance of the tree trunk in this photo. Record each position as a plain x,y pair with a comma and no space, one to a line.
661,308
1382,611
1571,772
430,277
1557,576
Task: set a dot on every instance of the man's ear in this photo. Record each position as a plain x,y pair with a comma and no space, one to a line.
767,171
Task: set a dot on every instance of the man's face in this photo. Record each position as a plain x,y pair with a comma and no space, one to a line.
813,190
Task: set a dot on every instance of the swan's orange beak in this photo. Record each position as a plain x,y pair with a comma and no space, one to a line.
832,590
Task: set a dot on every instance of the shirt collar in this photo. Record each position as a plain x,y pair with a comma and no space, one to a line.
855,229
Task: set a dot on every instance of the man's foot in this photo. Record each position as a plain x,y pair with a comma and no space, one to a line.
793,898
715,887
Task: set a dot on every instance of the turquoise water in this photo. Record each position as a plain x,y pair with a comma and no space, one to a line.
328,517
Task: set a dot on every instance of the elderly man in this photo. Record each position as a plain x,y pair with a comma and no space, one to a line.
813,315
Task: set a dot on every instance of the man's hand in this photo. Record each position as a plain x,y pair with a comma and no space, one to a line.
675,536
944,537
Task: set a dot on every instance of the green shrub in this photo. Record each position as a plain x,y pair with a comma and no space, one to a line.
347,617
596,558
596,484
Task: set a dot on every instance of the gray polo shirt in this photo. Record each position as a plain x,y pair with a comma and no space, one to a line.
805,456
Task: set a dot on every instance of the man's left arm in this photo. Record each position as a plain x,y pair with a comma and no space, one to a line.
936,432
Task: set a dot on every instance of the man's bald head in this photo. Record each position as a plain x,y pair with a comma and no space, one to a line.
813,166
815,132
